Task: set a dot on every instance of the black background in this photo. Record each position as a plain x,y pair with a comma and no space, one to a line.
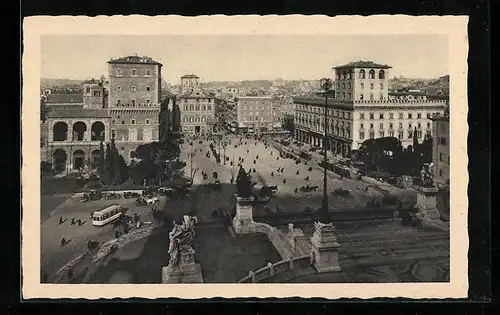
479,148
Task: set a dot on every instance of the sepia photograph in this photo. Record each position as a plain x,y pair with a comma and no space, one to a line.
246,159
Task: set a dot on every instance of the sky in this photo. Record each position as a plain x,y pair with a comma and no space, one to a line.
245,57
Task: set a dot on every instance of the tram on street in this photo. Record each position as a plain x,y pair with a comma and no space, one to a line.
106,215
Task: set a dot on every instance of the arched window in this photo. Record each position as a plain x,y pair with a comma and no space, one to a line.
60,131
362,74
97,131
79,129
78,159
95,159
381,74
371,74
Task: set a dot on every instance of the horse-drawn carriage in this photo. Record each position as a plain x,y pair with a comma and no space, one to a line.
93,195
308,188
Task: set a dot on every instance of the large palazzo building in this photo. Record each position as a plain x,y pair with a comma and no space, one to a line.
256,113
125,108
196,109
363,109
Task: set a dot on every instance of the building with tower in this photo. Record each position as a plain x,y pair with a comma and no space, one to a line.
126,108
363,109
190,84
196,109
134,102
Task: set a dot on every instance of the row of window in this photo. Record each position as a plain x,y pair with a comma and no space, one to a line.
347,74
318,110
391,133
321,121
133,88
362,86
195,119
391,116
348,96
133,121
187,100
197,107
133,103
255,118
381,126
137,135
133,72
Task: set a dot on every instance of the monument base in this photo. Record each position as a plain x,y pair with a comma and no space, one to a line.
243,220
325,249
182,274
243,226
426,203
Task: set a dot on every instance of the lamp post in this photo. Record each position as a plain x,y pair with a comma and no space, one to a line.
326,84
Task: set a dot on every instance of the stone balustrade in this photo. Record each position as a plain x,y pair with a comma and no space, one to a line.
276,268
61,276
279,239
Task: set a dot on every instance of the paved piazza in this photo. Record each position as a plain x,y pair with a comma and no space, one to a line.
225,258
269,162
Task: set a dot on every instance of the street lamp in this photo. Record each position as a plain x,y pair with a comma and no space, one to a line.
324,217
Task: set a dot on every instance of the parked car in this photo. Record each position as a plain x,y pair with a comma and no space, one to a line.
152,201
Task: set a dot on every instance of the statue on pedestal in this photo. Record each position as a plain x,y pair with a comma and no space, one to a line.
243,183
427,175
181,238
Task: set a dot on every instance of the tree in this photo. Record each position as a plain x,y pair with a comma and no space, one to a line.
381,152
102,161
43,109
415,139
108,166
243,183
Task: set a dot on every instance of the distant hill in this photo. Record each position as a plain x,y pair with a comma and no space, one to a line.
255,84
48,83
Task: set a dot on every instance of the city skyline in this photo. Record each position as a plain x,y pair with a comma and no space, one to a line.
248,57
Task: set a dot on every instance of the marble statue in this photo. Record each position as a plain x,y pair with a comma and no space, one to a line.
427,175
181,238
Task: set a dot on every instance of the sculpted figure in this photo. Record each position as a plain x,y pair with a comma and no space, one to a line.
181,238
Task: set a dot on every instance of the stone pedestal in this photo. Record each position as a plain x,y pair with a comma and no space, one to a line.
426,202
243,220
187,271
325,249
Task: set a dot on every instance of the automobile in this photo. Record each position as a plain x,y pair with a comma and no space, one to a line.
165,190
262,199
152,201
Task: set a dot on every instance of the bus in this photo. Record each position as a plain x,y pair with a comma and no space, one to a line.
106,215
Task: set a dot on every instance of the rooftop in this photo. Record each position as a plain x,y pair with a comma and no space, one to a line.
407,93
92,81
363,64
250,97
66,98
134,60
312,100
190,76
445,117
77,113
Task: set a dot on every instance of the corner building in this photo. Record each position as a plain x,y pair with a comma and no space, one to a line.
134,102
441,150
196,110
361,110
255,112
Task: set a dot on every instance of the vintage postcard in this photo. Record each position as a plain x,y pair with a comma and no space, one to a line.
244,156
